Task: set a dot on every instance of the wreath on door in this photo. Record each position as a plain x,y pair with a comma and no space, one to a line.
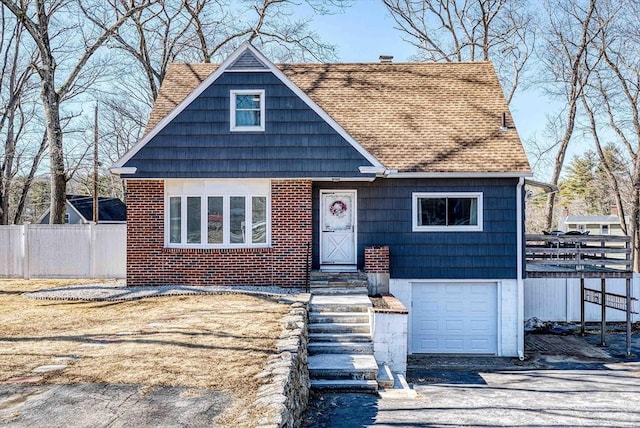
338,208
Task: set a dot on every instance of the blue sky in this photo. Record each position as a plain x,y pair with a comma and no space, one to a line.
365,31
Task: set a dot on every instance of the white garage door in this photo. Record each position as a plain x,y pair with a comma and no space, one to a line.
454,318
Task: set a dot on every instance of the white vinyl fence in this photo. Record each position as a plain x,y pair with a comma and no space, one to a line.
558,299
63,251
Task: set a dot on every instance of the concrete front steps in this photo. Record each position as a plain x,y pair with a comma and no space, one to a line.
340,344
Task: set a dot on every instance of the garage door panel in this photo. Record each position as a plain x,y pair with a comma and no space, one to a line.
479,344
478,306
454,326
454,318
453,292
454,346
429,325
454,307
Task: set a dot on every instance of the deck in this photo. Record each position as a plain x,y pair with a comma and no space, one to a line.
586,256
578,256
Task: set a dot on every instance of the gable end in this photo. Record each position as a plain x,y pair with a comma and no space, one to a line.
247,61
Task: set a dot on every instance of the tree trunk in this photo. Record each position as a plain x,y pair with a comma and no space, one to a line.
29,180
51,104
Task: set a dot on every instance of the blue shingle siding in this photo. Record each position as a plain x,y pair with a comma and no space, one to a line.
296,142
385,218
247,60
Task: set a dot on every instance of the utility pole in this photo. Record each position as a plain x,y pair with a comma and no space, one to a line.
96,164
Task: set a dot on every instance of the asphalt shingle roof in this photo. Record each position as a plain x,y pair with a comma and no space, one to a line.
413,117
109,209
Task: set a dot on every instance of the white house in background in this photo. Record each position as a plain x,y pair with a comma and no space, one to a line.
593,224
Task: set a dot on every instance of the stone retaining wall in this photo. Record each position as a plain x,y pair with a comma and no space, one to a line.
284,395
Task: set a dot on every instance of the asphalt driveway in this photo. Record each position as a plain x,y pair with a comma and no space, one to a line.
591,389
606,397
102,405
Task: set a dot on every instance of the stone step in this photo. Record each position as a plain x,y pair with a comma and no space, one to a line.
340,348
340,303
343,366
340,327
385,377
338,317
345,385
337,283
334,327
338,290
325,275
339,337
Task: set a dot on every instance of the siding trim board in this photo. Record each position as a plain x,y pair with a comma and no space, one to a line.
122,162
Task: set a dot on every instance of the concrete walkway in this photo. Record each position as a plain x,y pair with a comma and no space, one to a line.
118,290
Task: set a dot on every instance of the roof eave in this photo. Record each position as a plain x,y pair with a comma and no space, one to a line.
462,174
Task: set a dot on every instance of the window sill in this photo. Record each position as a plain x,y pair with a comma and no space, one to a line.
247,129
199,250
447,229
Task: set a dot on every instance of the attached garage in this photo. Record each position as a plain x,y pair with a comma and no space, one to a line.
454,318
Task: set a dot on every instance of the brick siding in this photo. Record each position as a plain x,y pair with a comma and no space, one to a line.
376,259
283,264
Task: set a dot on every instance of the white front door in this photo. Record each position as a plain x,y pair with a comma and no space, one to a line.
337,228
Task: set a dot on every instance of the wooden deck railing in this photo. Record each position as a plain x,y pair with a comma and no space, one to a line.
599,253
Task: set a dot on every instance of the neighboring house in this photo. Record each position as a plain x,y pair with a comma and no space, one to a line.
593,224
247,165
80,210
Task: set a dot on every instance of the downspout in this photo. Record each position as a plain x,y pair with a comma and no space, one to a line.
519,270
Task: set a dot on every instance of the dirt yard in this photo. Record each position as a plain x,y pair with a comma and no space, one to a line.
219,342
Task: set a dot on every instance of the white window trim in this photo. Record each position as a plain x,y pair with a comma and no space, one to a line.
473,228
203,244
232,110
602,227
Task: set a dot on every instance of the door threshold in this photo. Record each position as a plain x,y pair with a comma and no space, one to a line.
338,268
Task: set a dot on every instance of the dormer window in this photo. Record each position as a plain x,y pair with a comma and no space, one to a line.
247,110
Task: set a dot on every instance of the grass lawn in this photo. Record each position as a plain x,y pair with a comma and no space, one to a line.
219,342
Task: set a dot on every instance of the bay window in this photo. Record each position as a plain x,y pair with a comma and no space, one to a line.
215,213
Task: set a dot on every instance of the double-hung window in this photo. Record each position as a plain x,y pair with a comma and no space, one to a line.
434,211
214,214
247,110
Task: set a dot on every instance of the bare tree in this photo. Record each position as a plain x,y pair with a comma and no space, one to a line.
196,31
16,110
51,26
502,31
568,37
206,30
614,94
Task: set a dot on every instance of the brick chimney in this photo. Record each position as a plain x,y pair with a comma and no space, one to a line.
614,210
565,212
